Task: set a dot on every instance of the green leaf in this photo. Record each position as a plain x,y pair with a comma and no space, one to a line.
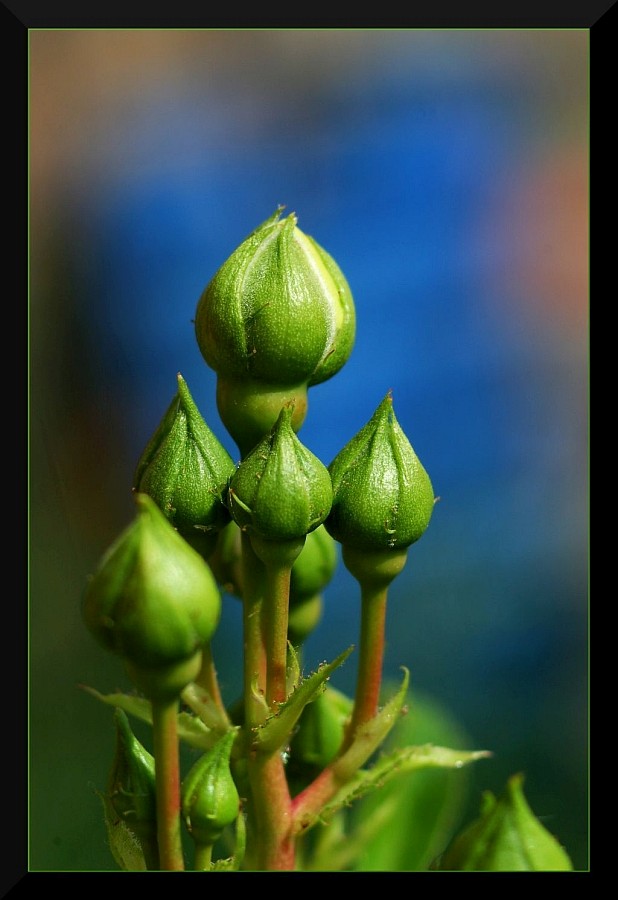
370,735
191,729
205,708
275,731
408,759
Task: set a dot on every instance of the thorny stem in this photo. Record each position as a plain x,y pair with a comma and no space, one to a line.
167,781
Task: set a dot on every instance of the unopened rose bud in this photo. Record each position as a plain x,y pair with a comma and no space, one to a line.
280,491
185,469
277,317
210,800
154,602
382,496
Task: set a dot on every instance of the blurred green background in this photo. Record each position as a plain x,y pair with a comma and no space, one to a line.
447,173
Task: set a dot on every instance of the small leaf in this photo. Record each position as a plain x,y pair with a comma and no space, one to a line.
371,734
191,730
408,759
205,708
275,732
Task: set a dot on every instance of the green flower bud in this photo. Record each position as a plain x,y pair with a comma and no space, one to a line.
209,797
185,470
314,567
507,837
280,491
131,786
154,601
382,496
278,310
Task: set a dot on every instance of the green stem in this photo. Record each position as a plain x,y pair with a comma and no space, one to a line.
254,662
208,681
370,656
203,857
276,631
374,570
167,781
266,576
278,558
273,813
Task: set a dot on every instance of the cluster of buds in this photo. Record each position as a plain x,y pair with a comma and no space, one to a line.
276,319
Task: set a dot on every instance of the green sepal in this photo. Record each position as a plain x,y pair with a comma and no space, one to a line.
274,733
153,601
191,729
506,837
314,567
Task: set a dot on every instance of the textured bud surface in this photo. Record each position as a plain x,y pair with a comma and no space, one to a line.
210,799
185,469
279,309
280,491
153,600
382,495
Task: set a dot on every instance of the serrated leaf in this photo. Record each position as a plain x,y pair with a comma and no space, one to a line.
275,731
191,729
407,759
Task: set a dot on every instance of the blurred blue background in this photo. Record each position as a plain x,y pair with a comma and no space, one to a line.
446,172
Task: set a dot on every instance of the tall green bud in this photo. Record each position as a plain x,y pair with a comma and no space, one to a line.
185,470
277,317
382,497
280,491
